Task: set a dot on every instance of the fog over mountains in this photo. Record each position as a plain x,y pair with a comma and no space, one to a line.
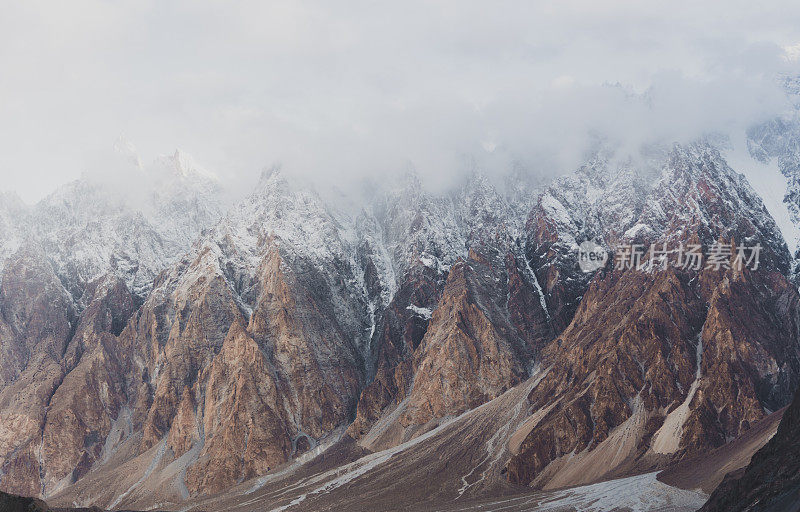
358,91
358,286
163,346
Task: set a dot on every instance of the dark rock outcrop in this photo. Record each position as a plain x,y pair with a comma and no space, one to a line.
14,503
771,482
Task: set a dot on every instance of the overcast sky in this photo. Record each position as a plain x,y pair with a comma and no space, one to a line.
363,88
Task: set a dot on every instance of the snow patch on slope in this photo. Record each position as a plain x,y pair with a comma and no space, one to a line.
768,181
425,313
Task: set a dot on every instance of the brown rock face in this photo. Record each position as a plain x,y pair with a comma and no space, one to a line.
471,353
526,306
399,335
173,342
630,357
93,391
37,314
481,339
243,421
36,325
665,363
70,383
246,353
598,202
235,394
621,345
82,392
457,335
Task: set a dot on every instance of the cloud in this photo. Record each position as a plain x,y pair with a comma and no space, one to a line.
346,90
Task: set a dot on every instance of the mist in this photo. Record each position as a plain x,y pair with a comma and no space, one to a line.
358,91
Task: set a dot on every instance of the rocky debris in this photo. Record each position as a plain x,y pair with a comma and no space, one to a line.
772,479
439,471
707,470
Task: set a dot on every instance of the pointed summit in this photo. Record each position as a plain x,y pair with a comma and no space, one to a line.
271,173
187,167
127,149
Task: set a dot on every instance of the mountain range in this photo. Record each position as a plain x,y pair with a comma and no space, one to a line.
162,349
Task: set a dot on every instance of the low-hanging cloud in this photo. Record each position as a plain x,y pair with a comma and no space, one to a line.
346,91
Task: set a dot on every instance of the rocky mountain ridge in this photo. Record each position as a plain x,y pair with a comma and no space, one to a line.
289,326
